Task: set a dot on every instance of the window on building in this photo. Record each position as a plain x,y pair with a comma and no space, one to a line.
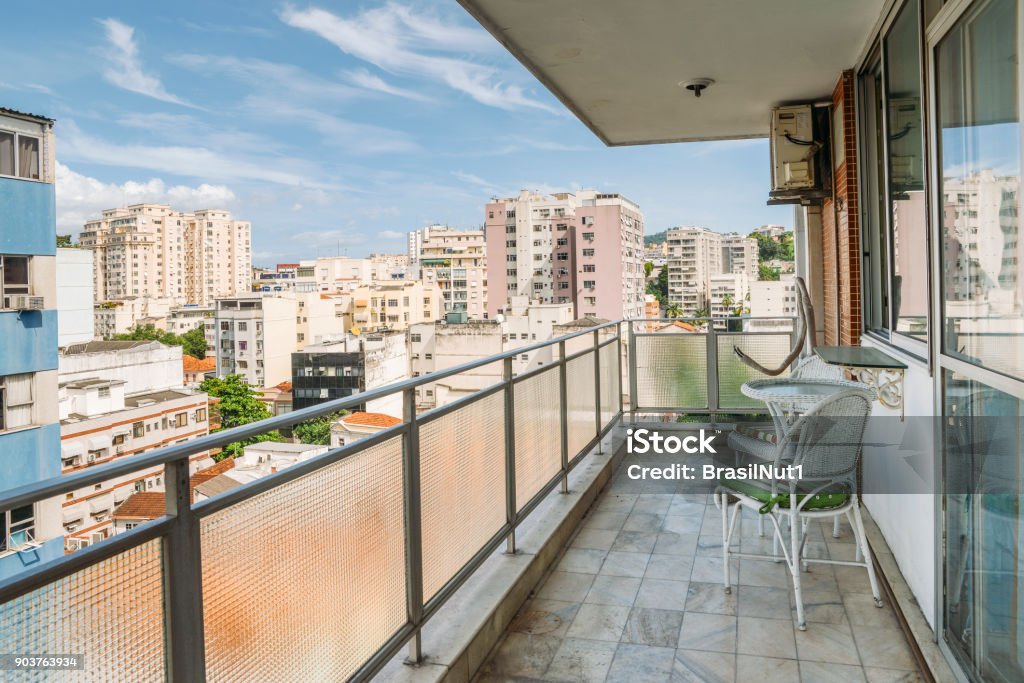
201,415
563,285
562,256
415,338
14,277
119,439
15,401
895,248
242,326
19,155
17,528
138,429
588,236
589,268
589,284
181,420
104,392
588,252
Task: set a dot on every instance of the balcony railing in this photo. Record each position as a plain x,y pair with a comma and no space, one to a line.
328,568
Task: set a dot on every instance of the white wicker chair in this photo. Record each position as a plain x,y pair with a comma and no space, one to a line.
826,442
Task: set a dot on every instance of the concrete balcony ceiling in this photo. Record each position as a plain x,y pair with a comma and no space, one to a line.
618,65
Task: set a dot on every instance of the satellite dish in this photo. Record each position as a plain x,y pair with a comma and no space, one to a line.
500,318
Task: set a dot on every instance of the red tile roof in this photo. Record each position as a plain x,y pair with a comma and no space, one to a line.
193,364
371,420
142,505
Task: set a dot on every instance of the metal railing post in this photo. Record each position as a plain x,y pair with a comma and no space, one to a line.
632,374
510,457
597,389
413,526
563,394
712,369
618,362
183,581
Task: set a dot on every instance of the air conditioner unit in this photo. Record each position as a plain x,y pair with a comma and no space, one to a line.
794,148
24,302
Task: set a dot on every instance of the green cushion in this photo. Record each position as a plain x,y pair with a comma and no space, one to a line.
819,501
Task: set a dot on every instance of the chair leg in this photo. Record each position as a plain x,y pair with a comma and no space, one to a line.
849,518
862,543
726,540
795,529
835,527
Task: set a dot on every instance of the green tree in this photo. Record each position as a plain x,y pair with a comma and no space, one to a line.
149,333
663,283
648,267
237,406
767,273
318,430
64,241
673,310
193,343
701,314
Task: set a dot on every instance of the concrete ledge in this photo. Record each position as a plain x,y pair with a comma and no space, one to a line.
907,605
458,639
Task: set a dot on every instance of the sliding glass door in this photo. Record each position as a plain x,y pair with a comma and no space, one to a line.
977,142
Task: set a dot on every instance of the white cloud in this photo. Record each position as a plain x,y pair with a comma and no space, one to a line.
365,79
282,81
81,197
402,42
125,67
390,234
194,162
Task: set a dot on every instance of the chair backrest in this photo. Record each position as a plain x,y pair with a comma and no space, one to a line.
827,441
813,367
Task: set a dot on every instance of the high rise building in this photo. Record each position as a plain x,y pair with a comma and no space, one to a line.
457,261
256,338
153,251
696,254
584,248
29,429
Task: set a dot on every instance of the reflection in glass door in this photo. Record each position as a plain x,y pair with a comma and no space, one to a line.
978,144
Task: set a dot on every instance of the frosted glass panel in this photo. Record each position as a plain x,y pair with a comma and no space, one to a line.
462,470
537,424
306,581
111,612
672,371
581,396
767,349
609,383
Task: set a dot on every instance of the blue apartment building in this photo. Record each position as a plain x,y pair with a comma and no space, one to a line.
29,428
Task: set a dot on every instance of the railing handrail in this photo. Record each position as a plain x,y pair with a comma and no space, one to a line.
46,488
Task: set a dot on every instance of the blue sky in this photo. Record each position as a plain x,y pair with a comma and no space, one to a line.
331,126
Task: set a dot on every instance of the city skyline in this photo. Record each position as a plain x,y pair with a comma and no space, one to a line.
336,131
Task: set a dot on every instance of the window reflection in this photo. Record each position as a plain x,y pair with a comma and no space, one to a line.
979,138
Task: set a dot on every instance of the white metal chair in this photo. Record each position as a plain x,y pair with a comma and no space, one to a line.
826,443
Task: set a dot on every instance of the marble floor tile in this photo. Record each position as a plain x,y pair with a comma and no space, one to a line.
641,664
625,564
567,586
832,643
634,541
582,560
662,594
581,661
819,672
711,632
599,622
711,598
674,567
613,590
766,669
883,647
523,655
765,638
656,627
692,666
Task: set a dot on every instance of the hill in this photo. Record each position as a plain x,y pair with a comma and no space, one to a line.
654,238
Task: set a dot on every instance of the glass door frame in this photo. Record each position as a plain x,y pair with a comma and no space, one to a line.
940,26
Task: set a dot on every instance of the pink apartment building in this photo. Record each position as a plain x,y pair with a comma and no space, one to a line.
584,248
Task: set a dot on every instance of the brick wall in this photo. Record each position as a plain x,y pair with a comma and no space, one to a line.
841,236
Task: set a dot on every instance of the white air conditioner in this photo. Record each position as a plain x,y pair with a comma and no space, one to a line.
793,148
24,302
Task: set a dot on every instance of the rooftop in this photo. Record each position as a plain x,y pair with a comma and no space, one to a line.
142,505
4,111
106,346
370,420
150,397
192,364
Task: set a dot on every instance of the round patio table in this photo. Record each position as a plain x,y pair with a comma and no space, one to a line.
787,399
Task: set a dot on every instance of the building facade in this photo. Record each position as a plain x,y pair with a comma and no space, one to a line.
29,429
695,255
584,248
255,337
75,296
455,260
153,251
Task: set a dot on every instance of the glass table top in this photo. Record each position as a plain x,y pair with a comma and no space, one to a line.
858,357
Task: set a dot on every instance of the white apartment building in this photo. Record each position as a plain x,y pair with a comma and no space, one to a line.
396,305
440,345
769,230
74,296
118,399
728,295
153,251
118,316
584,248
184,319
456,260
696,254
772,299
255,338
99,423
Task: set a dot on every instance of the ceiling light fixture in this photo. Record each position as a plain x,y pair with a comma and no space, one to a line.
697,85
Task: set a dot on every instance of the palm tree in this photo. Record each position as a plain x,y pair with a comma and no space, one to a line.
701,313
673,310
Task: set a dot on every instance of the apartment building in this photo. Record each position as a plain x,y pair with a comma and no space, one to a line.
118,316
696,254
182,319
435,346
153,251
456,260
255,337
769,230
728,296
348,365
772,299
100,423
29,430
584,248
75,322
395,306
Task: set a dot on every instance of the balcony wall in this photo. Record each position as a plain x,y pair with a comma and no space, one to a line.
28,217
29,455
29,341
